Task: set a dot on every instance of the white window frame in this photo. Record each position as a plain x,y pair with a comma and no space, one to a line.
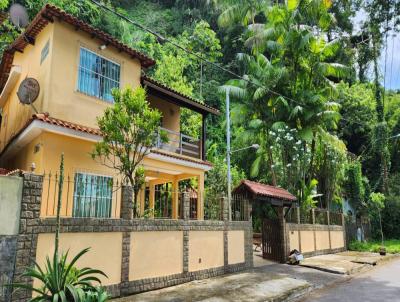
91,71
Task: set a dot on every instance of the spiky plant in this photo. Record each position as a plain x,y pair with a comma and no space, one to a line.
62,281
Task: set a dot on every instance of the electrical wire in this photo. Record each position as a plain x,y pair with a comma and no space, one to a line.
162,39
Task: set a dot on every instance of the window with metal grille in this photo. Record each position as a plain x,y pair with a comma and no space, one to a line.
92,195
97,75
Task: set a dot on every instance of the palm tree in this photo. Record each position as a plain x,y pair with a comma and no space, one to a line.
292,79
239,11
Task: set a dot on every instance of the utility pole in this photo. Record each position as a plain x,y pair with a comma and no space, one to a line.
228,154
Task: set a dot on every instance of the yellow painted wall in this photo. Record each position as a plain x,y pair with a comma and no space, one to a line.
15,115
337,240
76,159
28,155
294,240
307,241
170,113
322,240
206,250
105,253
66,102
235,247
155,254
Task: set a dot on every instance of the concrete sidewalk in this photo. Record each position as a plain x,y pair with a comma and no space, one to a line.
347,263
268,281
249,286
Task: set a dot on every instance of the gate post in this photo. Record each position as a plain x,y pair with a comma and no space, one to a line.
284,236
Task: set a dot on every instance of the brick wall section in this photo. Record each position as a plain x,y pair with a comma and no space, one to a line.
32,225
8,246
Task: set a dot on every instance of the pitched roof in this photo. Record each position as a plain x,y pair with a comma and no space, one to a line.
57,122
260,189
176,96
47,15
44,117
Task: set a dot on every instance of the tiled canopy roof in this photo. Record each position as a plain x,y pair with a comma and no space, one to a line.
42,117
57,122
48,14
260,189
188,101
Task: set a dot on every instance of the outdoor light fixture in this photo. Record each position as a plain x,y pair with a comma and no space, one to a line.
102,47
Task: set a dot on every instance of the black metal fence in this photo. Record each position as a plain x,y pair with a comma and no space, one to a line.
313,216
240,206
83,195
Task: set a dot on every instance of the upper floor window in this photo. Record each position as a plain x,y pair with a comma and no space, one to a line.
97,75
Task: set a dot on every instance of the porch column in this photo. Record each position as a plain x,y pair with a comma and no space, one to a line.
175,198
200,197
142,198
151,198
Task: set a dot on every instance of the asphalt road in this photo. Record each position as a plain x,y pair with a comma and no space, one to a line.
380,284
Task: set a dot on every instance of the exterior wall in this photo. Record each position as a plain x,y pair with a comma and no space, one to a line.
322,240
65,102
170,113
294,240
307,241
155,254
206,250
10,205
315,239
16,115
8,247
77,159
236,247
103,246
337,239
112,239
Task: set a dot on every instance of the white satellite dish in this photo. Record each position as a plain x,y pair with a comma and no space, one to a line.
18,15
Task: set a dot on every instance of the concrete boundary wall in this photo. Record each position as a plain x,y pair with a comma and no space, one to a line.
315,239
32,226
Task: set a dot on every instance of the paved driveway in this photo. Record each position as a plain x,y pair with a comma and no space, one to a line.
380,284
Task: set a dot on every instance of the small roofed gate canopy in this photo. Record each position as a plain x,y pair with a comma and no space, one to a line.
273,237
256,191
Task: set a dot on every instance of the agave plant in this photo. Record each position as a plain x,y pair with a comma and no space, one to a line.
64,282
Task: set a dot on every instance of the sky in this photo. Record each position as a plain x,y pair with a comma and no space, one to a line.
391,52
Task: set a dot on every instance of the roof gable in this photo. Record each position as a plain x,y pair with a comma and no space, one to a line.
264,190
47,15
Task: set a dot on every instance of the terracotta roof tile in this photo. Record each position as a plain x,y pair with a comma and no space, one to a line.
182,157
187,99
266,190
57,122
47,14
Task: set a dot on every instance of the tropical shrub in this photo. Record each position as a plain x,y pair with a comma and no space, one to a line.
64,282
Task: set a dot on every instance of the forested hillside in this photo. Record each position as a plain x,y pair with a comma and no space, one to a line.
310,90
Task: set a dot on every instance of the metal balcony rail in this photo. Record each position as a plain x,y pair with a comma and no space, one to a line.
179,143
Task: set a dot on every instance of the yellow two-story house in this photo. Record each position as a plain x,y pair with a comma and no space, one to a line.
76,67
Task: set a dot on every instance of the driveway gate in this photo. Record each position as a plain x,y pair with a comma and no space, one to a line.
271,239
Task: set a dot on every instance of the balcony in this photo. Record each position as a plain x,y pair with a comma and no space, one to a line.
179,143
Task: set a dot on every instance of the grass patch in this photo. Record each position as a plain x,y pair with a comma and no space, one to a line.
392,246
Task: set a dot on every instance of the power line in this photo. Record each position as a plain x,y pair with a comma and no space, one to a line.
163,39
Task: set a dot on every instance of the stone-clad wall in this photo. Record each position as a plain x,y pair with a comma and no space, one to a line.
32,225
8,245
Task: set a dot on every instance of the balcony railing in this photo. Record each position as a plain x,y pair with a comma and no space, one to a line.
179,143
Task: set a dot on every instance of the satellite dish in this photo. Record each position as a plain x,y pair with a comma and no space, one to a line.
28,91
18,15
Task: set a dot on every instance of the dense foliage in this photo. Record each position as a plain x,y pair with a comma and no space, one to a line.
307,95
